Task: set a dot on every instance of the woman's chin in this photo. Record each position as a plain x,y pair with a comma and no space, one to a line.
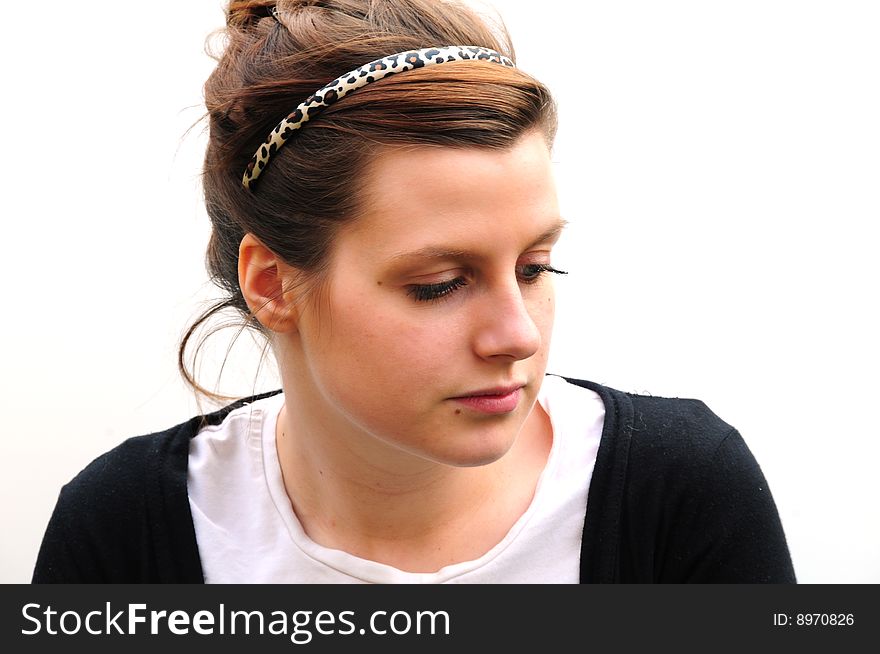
482,450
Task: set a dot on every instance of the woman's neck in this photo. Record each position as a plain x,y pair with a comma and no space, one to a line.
372,500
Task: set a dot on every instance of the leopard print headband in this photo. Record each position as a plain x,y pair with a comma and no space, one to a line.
345,84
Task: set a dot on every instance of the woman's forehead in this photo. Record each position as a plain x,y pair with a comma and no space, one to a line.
416,196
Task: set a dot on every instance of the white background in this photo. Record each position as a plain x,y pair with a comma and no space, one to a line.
719,164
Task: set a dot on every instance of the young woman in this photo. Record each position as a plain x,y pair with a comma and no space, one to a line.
379,182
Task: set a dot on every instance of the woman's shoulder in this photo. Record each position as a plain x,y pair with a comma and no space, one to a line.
672,445
649,437
103,525
125,516
128,465
651,420
677,490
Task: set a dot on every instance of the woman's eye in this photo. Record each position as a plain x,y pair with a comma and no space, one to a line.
531,272
428,292
527,274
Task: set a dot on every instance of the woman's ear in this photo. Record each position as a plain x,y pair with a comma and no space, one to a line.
261,277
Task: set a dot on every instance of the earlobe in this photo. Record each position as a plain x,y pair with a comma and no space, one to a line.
261,279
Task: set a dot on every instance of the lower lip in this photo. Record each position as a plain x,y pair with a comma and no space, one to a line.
491,403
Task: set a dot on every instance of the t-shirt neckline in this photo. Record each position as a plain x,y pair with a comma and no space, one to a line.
366,570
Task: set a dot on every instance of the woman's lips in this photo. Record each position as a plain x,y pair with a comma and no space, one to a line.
505,402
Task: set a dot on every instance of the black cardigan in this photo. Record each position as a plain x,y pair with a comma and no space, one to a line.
676,496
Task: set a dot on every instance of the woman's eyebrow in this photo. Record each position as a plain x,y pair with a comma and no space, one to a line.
440,252
551,234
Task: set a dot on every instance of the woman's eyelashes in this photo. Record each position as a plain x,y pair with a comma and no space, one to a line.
428,292
532,271
528,274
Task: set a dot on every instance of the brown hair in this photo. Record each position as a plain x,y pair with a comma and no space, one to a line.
271,63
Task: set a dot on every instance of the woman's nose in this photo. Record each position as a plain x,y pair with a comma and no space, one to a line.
505,327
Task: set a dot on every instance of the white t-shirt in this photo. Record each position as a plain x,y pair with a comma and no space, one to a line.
247,531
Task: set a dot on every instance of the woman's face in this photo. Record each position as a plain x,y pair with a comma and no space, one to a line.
437,294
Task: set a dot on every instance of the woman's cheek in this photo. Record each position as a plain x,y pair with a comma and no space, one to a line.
390,347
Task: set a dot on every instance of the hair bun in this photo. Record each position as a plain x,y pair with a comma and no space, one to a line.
245,13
